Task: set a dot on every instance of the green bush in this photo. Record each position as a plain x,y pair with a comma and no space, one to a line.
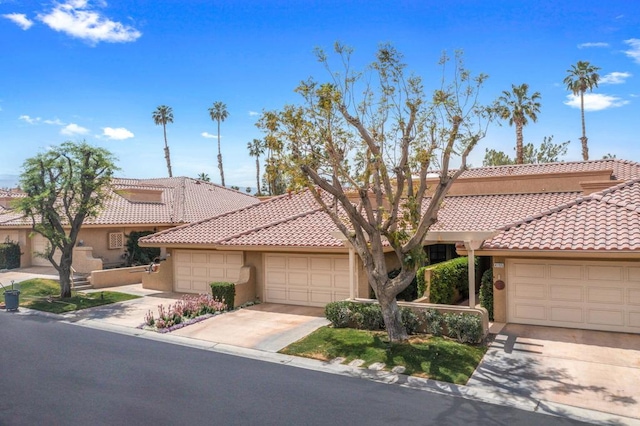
433,321
9,255
224,292
420,282
486,292
465,328
338,313
447,276
372,316
410,320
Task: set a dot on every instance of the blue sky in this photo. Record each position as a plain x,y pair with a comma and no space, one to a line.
96,70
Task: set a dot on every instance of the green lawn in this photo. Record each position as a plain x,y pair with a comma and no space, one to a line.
44,295
433,357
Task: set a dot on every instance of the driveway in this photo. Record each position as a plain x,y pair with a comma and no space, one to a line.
589,369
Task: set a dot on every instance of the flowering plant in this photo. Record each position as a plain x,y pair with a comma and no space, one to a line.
189,309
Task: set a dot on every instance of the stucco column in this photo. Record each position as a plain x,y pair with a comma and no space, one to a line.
471,261
352,272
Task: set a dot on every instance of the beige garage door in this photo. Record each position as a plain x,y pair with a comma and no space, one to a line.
194,270
39,245
310,280
575,294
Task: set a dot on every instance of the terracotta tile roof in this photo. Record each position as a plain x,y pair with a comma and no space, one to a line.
240,223
183,200
608,220
622,169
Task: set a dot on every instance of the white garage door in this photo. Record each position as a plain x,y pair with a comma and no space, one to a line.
575,294
194,270
40,244
310,280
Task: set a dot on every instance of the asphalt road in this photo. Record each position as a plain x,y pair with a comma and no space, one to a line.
52,373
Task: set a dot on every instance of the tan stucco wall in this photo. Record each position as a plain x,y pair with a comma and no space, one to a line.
255,260
245,287
98,239
499,296
83,260
118,276
162,278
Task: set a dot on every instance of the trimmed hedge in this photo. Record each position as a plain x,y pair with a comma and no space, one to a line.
466,328
224,292
447,276
486,292
9,255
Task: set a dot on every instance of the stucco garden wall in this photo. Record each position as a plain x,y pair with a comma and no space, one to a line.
118,276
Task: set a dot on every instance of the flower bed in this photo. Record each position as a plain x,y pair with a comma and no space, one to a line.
188,310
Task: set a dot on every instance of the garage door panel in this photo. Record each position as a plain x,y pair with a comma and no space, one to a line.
218,273
234,259
531,291
565,272
199,258
634,297
199,271
601,317
312,280
567,293
565,314
605,295
604,273
597,295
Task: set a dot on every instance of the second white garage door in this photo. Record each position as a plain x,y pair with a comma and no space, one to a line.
310,280
575,294
196,269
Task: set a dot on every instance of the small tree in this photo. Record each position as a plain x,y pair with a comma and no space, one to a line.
547,152
63,187
363,144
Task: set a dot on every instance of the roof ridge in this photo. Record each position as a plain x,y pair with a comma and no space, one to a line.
270,225
602,195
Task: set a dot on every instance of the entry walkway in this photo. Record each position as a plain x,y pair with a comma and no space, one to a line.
581,368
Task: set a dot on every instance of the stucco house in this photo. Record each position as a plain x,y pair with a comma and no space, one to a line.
132,205
563,240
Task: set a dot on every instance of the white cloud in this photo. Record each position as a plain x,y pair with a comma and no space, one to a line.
615,78
597,44
118,133
253,114
595,101
20,19
77,19
634,52
55,122
208,135
28,119
73,129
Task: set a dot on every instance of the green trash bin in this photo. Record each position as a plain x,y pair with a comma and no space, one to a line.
11,300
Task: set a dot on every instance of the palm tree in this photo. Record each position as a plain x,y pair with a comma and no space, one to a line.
204,177
218,112
256,149
163,115
517,106
581,77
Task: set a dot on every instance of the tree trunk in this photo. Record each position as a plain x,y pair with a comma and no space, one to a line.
583,139
519,154
65,275
258,175
392,318
167,156
220,157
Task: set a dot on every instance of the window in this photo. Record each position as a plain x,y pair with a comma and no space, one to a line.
116,240
437,253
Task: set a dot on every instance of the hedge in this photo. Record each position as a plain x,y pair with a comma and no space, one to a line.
9,255
445,277
224,292
486,292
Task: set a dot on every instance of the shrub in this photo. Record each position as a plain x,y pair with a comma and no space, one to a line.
486,292
372,316
224,292
465,328
420,282
447,276
9,255
433,321
185,309
410,320
338,313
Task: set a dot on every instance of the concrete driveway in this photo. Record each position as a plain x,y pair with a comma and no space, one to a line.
589,369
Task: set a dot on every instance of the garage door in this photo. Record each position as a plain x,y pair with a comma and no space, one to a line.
310,280
575,294
40,244
194,270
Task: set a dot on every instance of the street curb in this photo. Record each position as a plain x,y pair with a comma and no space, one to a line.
385,377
